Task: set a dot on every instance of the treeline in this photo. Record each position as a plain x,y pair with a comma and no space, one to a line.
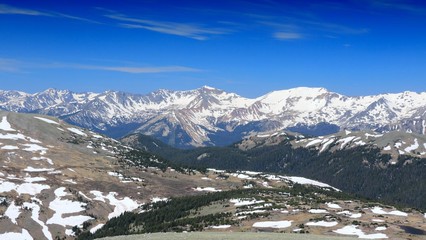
144,159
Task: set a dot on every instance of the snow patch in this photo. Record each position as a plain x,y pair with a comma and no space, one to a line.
207,189
345,141
13,212
273,224
302,180
9,147
42,158
47,120
241,176
121,205
5,125
413,147
317,211
65,206
35,213
353,230
34,148
333,205
24,235
31,188
158,199
314,142
245,202
31,169
350,215
77,131
34,179
378,220
380,228
379,210
221,227
96,228
322,224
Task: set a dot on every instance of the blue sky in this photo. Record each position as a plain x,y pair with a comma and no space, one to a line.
357,47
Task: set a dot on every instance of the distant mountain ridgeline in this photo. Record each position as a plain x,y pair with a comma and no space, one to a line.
213,117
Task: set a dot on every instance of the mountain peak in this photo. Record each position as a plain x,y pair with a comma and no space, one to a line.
209,89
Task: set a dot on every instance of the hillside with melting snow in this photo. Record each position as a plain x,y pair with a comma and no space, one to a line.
387,166
268,204
56,179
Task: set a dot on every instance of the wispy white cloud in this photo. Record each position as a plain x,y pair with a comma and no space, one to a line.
296,25
11,10
7,9
189,30
14,65
9,65
287,35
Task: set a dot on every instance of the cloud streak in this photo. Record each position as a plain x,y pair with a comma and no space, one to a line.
7,9
193,31
9,65
11,10
287,36
13,65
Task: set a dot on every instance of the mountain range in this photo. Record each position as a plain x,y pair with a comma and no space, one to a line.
213,117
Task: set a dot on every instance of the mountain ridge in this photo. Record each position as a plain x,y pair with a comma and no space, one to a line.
204,116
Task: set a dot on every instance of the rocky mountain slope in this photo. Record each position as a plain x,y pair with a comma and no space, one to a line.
209,116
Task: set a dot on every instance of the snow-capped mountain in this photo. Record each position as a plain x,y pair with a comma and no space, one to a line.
209,116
